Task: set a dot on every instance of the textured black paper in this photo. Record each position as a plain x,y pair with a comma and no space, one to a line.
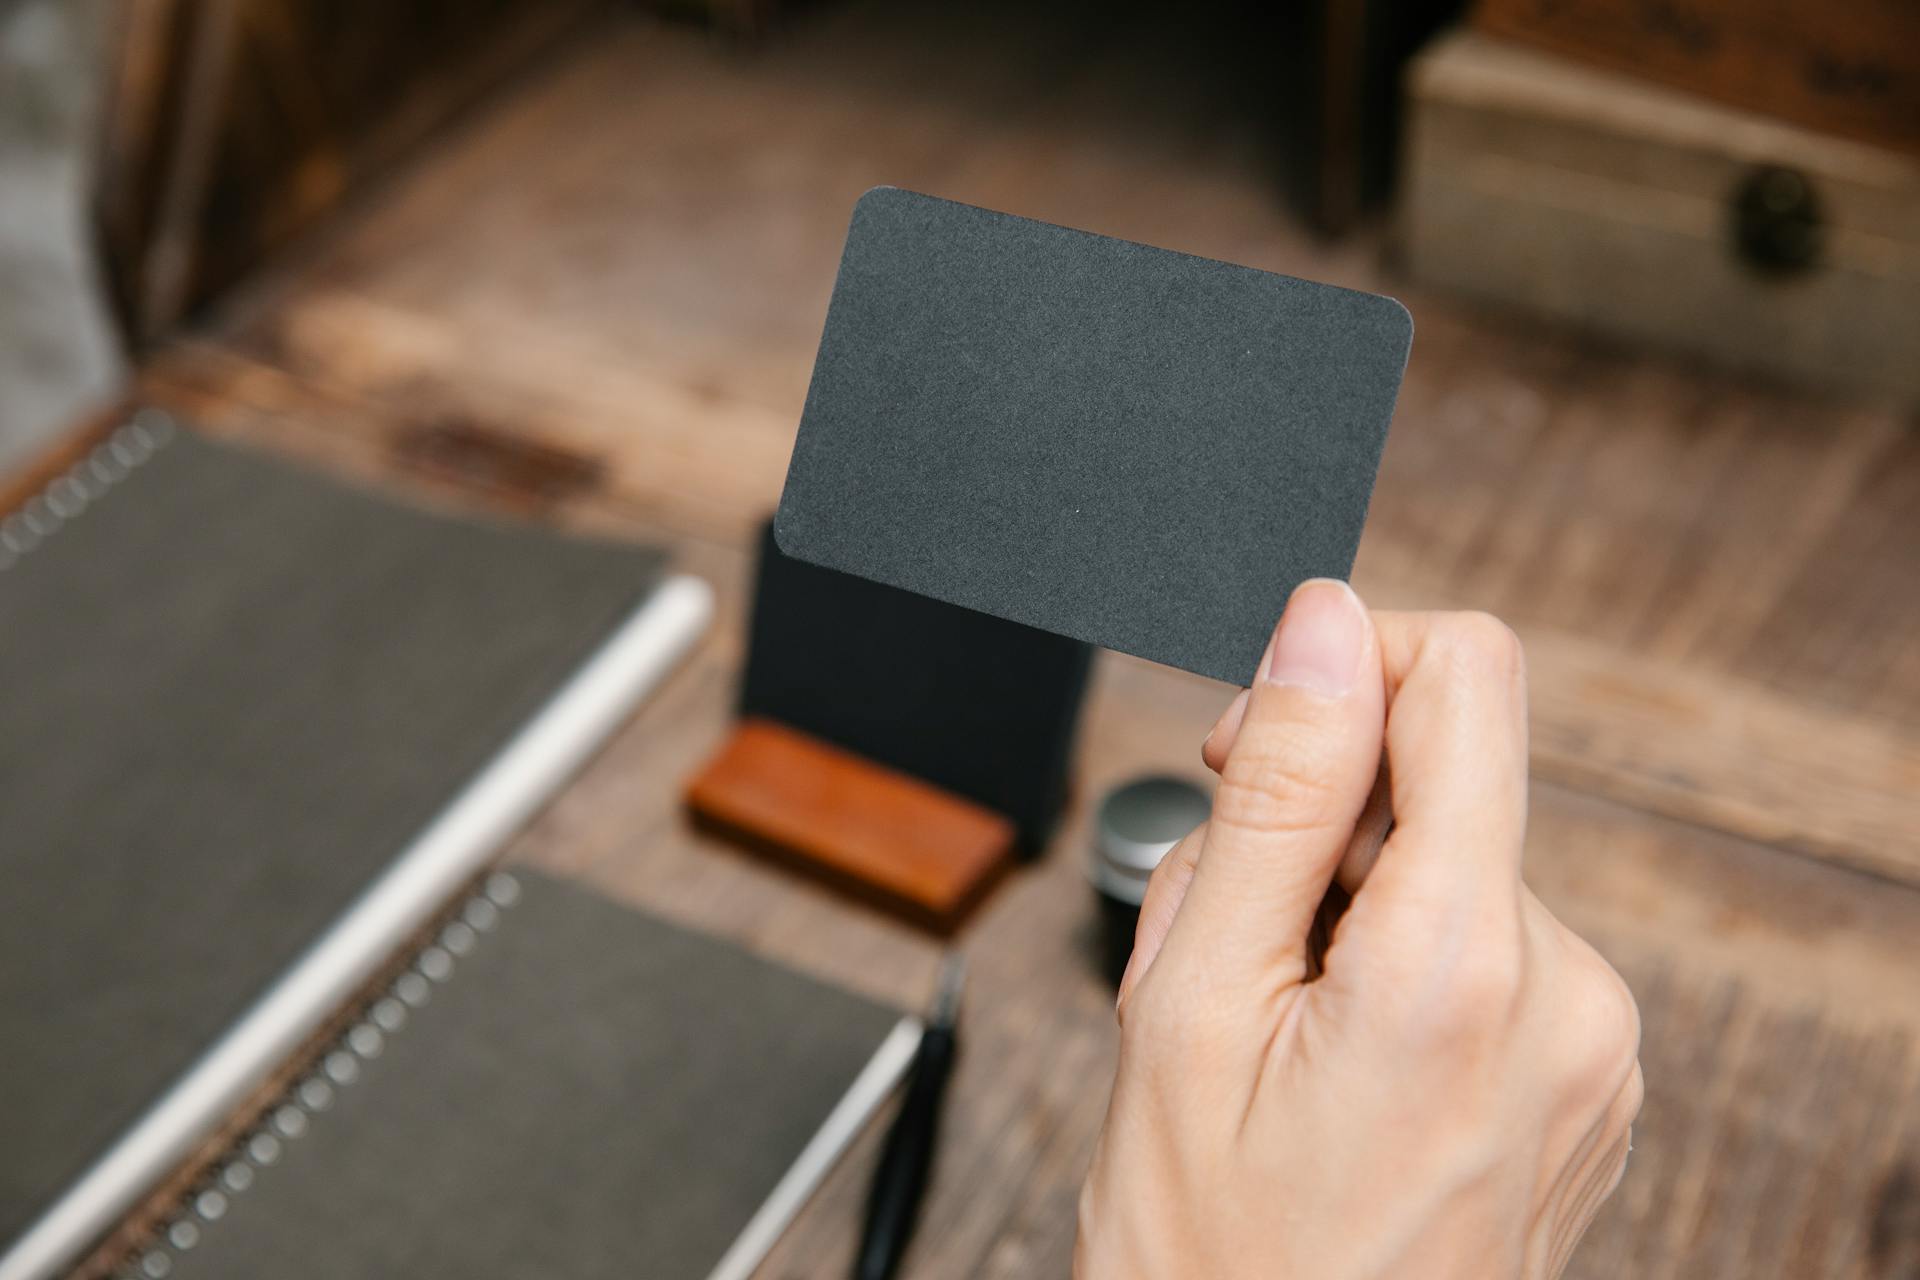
592,1093
230,693
1132,447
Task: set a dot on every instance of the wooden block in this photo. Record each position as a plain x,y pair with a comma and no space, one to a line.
900,843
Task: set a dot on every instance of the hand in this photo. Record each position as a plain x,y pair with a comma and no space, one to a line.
1451,1095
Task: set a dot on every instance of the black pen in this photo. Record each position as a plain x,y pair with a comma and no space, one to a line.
900,1179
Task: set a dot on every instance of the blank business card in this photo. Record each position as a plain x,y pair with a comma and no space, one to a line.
1133,447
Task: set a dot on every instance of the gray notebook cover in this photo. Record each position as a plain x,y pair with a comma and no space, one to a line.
230,692
591,1092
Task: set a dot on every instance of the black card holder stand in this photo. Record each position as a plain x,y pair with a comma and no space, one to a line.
985,708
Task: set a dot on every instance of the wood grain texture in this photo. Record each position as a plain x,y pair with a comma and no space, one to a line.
1851,68
629,259
1670,666
1727,753
1740,954
1796,948
236,125
881,835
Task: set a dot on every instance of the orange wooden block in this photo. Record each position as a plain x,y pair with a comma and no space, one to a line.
903,844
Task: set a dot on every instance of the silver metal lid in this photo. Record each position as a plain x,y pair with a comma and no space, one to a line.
1138,822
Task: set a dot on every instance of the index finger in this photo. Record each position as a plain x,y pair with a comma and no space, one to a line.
1456,744
1456,741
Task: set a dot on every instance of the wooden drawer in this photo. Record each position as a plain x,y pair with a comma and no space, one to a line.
1850,67
1613,204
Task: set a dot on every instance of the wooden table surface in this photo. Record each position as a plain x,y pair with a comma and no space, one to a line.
626,260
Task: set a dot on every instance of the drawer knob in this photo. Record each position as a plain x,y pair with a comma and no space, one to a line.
1777,226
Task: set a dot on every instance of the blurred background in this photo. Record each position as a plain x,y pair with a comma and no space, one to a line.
1724,180
569,259
58,351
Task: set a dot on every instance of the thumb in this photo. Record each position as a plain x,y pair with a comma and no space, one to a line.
1292,788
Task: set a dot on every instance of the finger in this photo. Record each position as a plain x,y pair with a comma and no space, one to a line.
1166,889
1369,834
1373,824
1293,786
1226,730
1456,743
1376,820
1403,636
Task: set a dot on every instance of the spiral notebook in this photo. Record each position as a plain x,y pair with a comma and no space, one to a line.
558,1086
256,727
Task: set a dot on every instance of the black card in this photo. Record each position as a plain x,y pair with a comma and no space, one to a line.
1133,447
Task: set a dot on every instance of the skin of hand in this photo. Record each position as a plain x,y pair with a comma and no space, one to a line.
1449,1094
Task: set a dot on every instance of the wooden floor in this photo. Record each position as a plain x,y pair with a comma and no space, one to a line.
627,260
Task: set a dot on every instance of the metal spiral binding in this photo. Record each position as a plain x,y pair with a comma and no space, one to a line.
67,495
337,1068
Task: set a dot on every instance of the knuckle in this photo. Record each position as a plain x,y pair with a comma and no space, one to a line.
1161,1025
1271,793
1486,988
1481,646
1479,999
1615,1015
1603,1036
